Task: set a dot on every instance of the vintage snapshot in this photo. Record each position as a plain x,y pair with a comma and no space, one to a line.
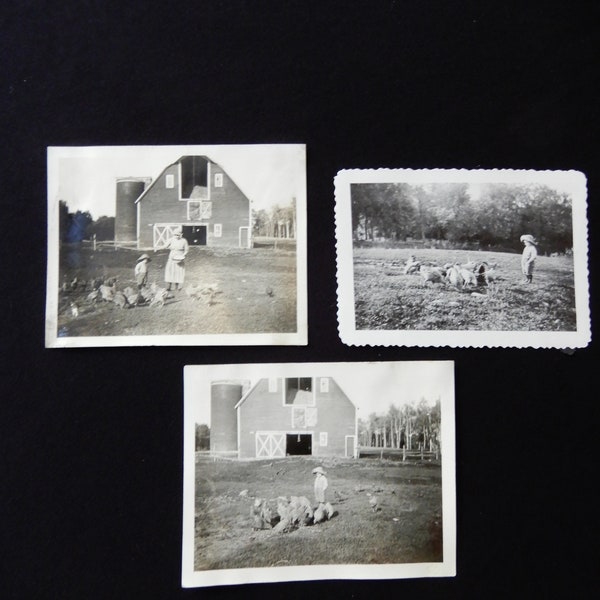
457,258
176,245
318,471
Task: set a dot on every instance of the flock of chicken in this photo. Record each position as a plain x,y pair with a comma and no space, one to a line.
283,515
461,276
105,290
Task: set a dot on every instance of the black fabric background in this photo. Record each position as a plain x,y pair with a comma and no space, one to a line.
91,439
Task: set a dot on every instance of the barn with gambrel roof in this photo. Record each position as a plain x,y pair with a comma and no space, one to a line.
285,416
198,196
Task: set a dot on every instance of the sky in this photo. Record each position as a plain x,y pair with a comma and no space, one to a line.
85,177
373,386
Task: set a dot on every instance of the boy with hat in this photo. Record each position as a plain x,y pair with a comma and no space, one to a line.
141,270
528,257
320,484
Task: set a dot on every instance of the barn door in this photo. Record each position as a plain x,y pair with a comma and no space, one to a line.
163,234
270,445
350,442
244,237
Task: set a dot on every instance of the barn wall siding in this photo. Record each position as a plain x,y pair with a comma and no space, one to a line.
160,205
264,411
230,209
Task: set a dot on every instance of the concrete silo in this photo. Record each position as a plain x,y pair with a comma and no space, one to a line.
129,189
224,395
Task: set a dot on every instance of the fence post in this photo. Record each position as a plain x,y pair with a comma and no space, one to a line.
403,453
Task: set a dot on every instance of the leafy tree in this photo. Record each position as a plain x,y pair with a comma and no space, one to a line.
202,437
103,228
78,224
63,220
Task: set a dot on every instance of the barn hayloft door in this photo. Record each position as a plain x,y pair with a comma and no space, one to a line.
270,445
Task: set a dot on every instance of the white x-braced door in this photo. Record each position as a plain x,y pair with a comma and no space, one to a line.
163,234
270,445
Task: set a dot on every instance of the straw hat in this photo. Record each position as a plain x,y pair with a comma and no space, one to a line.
318,470
528,238
144,257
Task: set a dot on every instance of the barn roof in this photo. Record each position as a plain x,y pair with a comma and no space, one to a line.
243,398
176,163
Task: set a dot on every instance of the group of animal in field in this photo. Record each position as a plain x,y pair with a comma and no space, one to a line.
283,515
104,290
465,276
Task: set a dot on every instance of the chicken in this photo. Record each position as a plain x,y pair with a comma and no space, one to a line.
432,274
200,292
469,278
159,295
412,265
93,296
108,291
374,503
120,299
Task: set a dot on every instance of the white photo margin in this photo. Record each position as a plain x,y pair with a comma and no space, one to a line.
197,382
574,181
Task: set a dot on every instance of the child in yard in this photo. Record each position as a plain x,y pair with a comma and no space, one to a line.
141,271
320,485
528,257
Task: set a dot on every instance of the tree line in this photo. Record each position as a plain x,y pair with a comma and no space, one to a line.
80,225
448,212
202,437
279,221
411,426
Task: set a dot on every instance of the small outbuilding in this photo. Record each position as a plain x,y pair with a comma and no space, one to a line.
198,196
288,416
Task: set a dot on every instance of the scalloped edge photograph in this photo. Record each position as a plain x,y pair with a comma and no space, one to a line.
462,258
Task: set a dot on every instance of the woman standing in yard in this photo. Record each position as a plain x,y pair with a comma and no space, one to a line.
528,257
175,269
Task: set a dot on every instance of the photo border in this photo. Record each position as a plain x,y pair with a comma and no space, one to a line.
52,340
193,374
352,336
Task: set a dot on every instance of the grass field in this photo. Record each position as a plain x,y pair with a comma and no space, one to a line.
407,528
387,299
241,306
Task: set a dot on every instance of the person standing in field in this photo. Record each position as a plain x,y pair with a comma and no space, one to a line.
528,257
141,271
320,484
175,268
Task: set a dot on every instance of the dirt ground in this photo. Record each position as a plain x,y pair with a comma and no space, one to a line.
406,528
256,293
386,298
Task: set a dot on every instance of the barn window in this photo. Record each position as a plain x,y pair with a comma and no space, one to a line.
218,230
324,385
303,417
298,390
170,181
194,210
218,179
199,209
323,438
298,417
194,174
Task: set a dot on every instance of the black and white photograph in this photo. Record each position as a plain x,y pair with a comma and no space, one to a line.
462,258
176,245
297,471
